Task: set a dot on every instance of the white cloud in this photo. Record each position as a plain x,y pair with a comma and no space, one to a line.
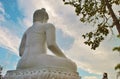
2,12
116,9
97,62
8,40
64,18
90,77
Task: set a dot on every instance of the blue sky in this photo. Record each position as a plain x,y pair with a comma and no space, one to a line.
16,17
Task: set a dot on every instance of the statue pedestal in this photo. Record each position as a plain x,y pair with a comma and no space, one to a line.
45,73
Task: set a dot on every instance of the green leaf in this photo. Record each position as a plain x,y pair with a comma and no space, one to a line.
117,66
118,36
116,49
84,36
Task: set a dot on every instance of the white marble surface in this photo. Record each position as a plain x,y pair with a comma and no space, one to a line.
35,63
35,53
44,73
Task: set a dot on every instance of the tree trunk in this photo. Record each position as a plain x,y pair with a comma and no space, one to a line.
115,19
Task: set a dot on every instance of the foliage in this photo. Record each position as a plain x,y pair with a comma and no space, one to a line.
117,48
117,67
100,14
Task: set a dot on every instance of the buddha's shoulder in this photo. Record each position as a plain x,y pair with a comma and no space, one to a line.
49,25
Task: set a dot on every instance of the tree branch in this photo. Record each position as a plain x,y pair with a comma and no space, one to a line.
115,20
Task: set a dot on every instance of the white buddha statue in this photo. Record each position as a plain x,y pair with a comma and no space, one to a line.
35,63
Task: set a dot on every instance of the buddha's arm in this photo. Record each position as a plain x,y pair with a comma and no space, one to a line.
22,45
51,42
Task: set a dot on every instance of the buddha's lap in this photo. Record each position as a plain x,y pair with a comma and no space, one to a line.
44,60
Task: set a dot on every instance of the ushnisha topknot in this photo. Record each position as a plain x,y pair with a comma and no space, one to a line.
43,9
40,15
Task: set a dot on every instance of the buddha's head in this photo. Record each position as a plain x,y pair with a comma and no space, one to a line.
40,15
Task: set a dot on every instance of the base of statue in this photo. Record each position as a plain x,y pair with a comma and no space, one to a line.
45,73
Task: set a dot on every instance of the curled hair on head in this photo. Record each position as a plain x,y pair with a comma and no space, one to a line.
40,15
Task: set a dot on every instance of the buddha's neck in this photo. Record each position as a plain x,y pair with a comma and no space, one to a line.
43,21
